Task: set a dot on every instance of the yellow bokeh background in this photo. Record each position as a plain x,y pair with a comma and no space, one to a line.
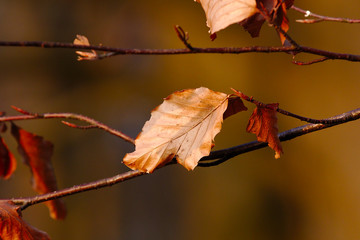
312,192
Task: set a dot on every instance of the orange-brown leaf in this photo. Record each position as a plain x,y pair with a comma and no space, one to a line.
13,227
37,153
183,126
276,11
235,105
263,123
7,160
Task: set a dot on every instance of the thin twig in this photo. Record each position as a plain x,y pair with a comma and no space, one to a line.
284,112
268,18
301,63
78,126
107,182
183,36
321,18
93,123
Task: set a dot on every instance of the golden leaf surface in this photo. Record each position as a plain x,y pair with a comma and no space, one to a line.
183,126
222,13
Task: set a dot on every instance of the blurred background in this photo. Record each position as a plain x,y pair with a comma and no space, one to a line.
311,192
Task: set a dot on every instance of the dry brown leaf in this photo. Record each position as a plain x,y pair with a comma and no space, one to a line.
184,125
251,14
13,227
263,123
235,105
221,14
7,160
82,40
275,11
37,153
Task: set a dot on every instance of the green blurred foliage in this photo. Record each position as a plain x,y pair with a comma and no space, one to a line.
311,193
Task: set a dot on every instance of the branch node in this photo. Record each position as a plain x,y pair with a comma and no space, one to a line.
22,111
78,126
307,13
183,36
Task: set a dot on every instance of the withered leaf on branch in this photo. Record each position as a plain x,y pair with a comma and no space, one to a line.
13,227
183,126
7,160
251,14
37,153
263,123
82,40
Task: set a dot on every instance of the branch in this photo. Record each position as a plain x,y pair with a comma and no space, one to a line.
226,154
287,113
321,18
106,182
218,157
193,50
93,123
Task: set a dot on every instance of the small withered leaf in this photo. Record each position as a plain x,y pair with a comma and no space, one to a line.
235,105
82,40
263,123
37,153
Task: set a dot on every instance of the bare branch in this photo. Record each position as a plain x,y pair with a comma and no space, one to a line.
106,182
183,36
284,112
93,123
224,50
320,18
300,63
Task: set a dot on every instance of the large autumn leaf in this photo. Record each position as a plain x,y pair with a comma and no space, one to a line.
183,126
263,123
251,14
37,153
7,160
13,227
222,13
